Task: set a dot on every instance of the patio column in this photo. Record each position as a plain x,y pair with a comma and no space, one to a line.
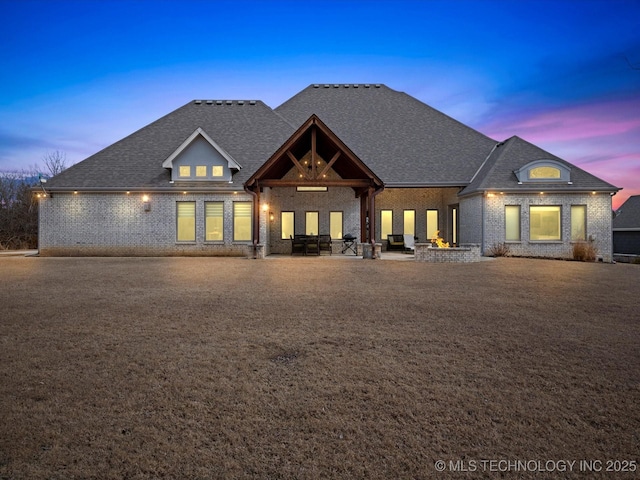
363,218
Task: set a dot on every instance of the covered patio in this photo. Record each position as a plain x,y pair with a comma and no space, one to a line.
313,185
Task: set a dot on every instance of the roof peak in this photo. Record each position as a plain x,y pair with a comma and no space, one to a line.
347,85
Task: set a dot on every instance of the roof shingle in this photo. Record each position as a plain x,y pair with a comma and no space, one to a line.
628,215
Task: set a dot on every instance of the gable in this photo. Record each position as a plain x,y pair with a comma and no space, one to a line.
314,157
519,166
200,159
248,131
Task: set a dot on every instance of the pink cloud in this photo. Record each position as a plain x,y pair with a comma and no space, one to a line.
571,123
602,138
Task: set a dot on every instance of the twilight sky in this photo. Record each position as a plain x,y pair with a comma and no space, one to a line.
78,75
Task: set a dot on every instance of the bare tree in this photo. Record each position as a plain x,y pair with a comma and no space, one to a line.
18,211
55,162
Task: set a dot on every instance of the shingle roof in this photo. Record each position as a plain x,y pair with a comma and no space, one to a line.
628,215
401,139
249,131
497,172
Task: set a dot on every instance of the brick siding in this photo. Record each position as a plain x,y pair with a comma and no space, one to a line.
116,224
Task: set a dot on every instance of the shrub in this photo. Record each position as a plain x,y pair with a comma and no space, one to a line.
584,252
499,250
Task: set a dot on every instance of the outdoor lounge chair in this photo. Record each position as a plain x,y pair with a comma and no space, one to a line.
409,243
395,242
324,244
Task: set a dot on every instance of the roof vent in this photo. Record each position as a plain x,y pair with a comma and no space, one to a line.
229,102
377,85
209,102
315,85
336,86
218,102
366,85
346,86
240,102
198,102
252,102
355,85
326,85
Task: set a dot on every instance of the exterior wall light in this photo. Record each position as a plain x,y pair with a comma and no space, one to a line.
145,203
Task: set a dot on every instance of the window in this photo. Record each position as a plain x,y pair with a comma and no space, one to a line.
201,171
454,225
410,222
217,171
242,220
214,221
287,225
386,223
544,223
432,224
186,222
512,223
335,224
311,223
544,172
185,171
578,223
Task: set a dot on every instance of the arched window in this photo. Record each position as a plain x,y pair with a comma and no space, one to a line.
543,171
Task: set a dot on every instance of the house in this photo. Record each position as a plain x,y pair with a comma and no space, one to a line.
626,227
222,177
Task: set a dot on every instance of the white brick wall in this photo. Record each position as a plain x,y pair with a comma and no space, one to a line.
471,219
420,200
599,220
116,224
463,254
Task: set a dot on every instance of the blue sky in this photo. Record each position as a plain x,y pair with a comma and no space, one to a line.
78,75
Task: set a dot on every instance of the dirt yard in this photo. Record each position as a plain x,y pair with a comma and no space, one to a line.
199,368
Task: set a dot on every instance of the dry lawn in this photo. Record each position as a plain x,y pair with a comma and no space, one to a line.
314,367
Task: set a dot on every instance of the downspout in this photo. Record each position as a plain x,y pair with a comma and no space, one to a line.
483,215
256,220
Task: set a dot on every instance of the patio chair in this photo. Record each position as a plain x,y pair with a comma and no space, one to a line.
298,244
395,242
409,243
324,244
312,245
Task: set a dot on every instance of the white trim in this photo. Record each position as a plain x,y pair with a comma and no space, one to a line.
168,163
